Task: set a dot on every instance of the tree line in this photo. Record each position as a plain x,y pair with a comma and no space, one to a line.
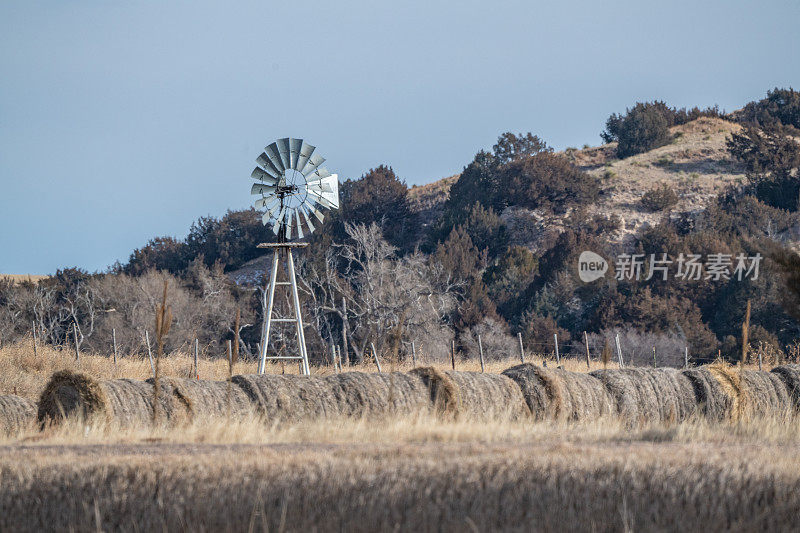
374,273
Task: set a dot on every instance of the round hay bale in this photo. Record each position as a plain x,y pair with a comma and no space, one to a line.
123,402
473,395
541,397
675,393
16,414
765,395
633,393
289,397
790,375
712,400
558,394
208,399
360,394
729,380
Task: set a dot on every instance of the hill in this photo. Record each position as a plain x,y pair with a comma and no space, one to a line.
20,278
696,165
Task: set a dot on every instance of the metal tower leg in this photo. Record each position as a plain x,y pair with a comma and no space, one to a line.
301,338
302,357
268,312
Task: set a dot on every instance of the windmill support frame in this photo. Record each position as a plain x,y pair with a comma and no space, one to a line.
279,248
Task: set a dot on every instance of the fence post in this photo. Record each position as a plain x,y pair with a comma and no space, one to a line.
655,365
480,351
230,352
114,338
333,356
619,351
196,349
685,357
521,349
413,354
339,357
150,352
377,360
558,357
453,354
33,332
75,339
759,359
586,342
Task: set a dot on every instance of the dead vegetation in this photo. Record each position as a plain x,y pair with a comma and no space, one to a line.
417,477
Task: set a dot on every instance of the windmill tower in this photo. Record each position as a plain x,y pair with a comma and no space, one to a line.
293,188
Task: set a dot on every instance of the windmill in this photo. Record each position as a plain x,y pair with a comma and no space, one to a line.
293,188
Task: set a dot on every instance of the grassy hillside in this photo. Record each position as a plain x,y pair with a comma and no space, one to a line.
696,165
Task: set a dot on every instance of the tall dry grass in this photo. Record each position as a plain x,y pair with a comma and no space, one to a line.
407,474
419,471
27,373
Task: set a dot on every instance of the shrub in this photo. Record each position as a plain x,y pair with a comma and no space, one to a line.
772,159
496,341
642,128
646,126
484,227
379,196
510,274
660,198
537,333
458,255
480,180
781,107
547,180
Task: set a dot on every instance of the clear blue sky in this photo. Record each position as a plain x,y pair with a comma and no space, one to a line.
120,121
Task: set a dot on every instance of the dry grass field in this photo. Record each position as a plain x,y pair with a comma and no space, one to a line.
24,373
416,472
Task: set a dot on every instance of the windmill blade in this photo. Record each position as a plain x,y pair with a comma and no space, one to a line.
262,188
275,156
304,209
317,213
261,174
263,203
313,162
299,225
265,163
305,152
283,149
294,151
328,188
319,174
320,199
276,226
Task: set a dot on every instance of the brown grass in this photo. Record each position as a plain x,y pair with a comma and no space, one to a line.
407,475
21,278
